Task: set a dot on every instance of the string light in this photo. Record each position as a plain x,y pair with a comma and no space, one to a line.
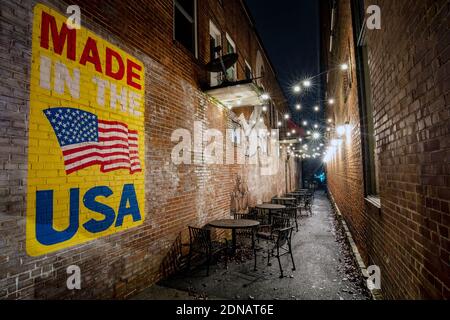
307,83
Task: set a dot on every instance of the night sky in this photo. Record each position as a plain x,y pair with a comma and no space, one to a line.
290,33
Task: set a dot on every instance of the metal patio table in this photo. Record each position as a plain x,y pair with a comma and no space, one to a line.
271,208
233,225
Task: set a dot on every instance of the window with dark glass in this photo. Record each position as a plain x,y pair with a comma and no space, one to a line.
185,23
248,71
371,171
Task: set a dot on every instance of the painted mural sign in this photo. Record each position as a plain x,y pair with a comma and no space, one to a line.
86,137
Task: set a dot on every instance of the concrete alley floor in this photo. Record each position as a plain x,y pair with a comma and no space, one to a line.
325,269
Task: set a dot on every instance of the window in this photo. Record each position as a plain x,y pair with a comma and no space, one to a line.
231,48
215,40
371,169
248,71
185,24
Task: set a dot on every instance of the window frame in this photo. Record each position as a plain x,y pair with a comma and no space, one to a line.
233,44
247,65
194,20
368,143
214,31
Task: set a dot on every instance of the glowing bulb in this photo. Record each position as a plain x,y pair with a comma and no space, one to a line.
331,101
308,132
297,89
340,130
286,116
316,135
279,124
307,83
298,107
288,134
293,131
316,126
316,108
305,123
265,96
330,120
264,108
344,66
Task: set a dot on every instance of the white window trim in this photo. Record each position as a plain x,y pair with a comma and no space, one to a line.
233,44
214,32
250,67
193,19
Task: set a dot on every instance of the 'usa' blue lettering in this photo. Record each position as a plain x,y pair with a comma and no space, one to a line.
128,196
90,203
46,234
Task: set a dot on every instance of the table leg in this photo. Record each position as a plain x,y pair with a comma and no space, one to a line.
233,240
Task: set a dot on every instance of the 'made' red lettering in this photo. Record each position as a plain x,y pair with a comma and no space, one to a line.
59,39
132,75
65,37
90,54
118,75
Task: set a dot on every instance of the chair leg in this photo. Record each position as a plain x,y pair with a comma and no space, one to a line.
292,256
254,249
207,264
226,258
188,267
279,263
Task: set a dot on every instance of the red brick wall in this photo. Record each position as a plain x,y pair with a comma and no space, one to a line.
409,73
176,196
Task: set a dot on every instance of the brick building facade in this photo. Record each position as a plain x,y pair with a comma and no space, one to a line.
121,263
388,172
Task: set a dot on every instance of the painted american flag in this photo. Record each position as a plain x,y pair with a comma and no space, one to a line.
86,141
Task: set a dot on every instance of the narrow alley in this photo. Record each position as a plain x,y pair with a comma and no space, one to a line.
325,269
199,149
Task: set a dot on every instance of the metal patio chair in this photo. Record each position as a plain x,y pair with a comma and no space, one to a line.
278,241
291,214
200,243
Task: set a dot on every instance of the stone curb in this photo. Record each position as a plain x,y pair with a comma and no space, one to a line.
375,293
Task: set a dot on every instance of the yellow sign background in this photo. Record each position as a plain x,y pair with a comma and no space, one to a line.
46,170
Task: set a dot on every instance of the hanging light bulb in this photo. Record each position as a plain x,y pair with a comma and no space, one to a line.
344,66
